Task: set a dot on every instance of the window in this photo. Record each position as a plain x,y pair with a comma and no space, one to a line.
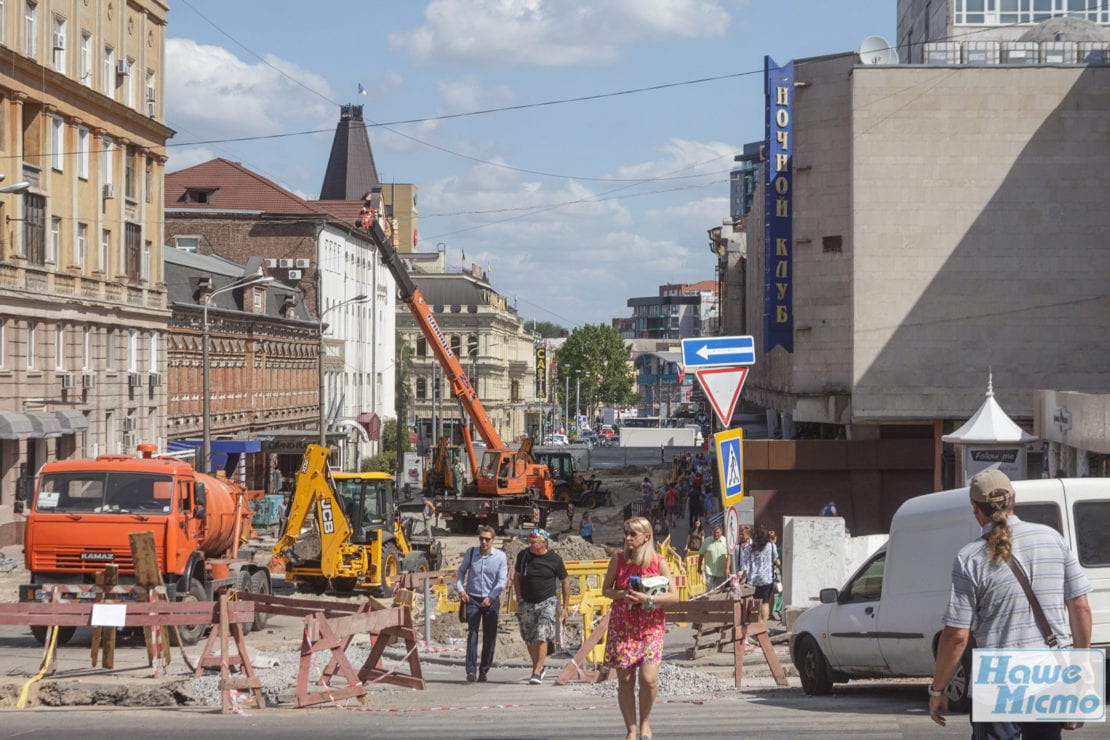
59,44
86,59
59,347
31,30
151,95
3,322
32,334
152,363
132,350
868,583
129,86
57,141
106,159
187,243
421,347
105,245
421,388
110,350
34,228
129,172
81,246
1046,514
834,244
54,251
3,27
456,345
132,252
108,80
86,348
148,250
148,180
1092,533
83,152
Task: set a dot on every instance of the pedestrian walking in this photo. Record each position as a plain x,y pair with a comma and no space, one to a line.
637,624
757,563
586,528
481,578
539,573
714,560
989,601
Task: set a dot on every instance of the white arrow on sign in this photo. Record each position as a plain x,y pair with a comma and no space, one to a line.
705,352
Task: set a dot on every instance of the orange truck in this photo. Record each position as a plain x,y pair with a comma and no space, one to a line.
83,511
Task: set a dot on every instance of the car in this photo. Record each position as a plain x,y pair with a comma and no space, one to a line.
582,442
606,431
556,439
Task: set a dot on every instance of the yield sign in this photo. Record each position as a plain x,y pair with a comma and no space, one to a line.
722,387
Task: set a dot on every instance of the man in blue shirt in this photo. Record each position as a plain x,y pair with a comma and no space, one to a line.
480,580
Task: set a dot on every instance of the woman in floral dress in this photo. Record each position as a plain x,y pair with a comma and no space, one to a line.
637,624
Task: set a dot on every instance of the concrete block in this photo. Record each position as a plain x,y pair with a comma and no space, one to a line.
815,549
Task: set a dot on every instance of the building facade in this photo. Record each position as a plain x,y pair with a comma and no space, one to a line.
936,237
83,317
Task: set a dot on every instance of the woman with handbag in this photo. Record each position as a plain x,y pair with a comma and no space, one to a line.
757,562
637,624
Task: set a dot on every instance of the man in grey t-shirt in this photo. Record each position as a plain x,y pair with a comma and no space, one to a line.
986,598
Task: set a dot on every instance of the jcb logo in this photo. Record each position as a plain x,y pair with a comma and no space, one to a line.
327,522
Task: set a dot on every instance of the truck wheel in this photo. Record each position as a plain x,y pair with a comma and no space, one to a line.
813,668
589,501
416,562
190,634
562,492
390,569
260,584
243,585
343,585
39,632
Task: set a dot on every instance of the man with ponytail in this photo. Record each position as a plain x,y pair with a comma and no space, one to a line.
989,602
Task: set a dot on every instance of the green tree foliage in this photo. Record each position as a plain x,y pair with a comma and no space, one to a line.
389,438
606,376
545,329
383,463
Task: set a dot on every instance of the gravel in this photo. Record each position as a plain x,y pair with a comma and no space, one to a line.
674,681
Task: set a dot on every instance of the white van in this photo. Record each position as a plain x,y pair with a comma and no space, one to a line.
886,620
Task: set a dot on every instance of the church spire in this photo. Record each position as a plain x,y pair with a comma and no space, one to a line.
351,172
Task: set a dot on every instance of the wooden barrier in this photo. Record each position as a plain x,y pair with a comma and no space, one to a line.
742,615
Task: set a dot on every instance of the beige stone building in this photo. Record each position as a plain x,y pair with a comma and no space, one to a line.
947,221
82,297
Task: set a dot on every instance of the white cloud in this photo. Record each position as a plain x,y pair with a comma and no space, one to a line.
184,157
210,90
552,32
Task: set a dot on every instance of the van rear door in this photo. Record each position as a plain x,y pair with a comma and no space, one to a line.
1088,502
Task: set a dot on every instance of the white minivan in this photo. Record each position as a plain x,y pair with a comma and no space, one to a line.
886,620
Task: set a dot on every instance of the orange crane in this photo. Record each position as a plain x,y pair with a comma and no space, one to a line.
506,475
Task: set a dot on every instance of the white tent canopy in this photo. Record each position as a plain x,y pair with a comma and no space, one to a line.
989,424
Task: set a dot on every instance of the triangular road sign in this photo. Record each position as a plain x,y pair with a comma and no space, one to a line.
722,386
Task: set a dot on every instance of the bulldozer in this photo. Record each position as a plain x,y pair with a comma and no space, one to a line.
570,485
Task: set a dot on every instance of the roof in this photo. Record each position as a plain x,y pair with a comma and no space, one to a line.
351,172
185,270
989,424
230,186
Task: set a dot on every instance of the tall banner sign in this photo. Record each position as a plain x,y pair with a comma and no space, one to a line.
778,292
541,372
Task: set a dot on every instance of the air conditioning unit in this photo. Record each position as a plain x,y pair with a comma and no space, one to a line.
303,264
88,380
123,67
128,423
69,380
295,274
285,263
59,42
155,379
109,190
270,262
135,380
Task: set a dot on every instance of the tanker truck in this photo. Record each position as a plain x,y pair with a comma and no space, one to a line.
83,511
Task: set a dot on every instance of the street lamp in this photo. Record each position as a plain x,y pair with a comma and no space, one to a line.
577,398
362,298
566,404
206,413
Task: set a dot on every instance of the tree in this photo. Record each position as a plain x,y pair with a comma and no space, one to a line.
396,438
545,329
607,376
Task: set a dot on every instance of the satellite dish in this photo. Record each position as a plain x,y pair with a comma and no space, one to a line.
877,50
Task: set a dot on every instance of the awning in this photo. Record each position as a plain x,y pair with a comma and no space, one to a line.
45,425
71,421
14,425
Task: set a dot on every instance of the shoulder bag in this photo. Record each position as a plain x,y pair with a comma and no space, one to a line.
1038,613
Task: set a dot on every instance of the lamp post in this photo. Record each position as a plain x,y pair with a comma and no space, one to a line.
361,298
577,399
566,404
206,412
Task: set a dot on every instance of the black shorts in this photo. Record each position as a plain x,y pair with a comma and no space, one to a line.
763,593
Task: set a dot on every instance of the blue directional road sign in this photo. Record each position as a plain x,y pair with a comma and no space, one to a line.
713,351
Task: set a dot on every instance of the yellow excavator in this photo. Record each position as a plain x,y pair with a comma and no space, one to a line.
344,530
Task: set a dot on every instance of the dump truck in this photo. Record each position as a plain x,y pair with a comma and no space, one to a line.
83,511
345,530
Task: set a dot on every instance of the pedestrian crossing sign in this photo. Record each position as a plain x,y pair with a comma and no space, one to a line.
730,466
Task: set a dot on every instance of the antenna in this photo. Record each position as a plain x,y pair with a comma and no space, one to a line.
877,50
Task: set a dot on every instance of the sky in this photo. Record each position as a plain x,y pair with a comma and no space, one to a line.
600,181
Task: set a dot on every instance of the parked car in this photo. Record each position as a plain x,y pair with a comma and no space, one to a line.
886,620
582,442
556,439
606,431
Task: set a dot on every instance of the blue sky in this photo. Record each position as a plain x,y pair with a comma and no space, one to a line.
573,207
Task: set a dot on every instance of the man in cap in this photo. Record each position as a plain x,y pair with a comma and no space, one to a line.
538,572
988,601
